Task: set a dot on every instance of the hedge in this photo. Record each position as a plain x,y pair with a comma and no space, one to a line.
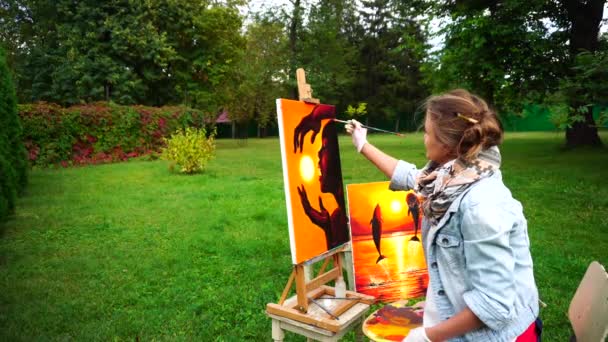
99,132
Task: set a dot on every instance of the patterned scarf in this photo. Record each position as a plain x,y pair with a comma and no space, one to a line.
440,185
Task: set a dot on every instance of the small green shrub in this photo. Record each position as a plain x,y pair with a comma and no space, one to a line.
190,149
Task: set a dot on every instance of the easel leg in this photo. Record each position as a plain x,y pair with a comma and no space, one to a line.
359,330
347,263
307,273
301,289
277,333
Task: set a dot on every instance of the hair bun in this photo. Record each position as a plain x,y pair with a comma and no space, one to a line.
464,122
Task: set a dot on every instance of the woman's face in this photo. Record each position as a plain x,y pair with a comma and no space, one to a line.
324,165
435,150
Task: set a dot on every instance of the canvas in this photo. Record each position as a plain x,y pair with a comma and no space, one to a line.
312,175
386,241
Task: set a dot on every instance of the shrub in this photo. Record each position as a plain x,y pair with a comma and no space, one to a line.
13,163
189,149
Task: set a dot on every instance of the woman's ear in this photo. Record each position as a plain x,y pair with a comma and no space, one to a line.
446,148
450,152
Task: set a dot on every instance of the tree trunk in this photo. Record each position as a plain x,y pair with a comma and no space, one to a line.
583,133
585,19
261,131
233,130
584,36
106,88
293,38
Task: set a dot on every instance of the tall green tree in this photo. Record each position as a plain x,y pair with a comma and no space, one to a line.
584,19
500,50
392,51
154,52
261,74
13,162
212,68
294,32
328,56
513,52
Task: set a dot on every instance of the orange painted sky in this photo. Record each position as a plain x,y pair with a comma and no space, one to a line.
362,199
307,240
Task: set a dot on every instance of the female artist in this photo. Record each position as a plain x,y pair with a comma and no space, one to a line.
474,233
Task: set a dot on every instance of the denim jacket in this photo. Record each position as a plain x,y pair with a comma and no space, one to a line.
479,257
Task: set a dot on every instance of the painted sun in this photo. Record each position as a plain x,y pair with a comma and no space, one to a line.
307,168
396,206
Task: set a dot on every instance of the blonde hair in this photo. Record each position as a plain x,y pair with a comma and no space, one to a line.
464,123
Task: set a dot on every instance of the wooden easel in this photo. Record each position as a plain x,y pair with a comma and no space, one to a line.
307,306
304,89
310,291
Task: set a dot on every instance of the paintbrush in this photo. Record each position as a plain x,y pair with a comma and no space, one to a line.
373,128
324,309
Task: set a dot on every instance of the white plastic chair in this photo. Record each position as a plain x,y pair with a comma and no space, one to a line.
588,312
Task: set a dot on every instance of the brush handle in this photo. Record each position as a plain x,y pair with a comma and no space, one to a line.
372,128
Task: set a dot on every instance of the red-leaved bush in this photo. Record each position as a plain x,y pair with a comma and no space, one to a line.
99,132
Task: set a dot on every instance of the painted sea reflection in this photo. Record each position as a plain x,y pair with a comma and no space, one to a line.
402,275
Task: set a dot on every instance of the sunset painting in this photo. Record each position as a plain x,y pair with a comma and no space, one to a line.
386,241
312,176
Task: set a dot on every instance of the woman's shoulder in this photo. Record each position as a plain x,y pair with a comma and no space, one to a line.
489,190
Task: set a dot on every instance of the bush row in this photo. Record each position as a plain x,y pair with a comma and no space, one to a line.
13,163
99,132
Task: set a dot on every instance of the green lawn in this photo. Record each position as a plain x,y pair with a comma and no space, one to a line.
126,251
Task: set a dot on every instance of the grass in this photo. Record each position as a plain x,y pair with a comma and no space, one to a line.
126,251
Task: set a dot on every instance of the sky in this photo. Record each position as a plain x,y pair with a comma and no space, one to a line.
256,5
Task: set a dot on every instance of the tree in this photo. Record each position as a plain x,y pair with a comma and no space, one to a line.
154,52
501,51
262,75
329,58
211,71
13,162
585,18
87,51
391,55
295,28
506,52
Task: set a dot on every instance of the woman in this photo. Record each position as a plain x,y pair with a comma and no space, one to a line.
474,233
333,224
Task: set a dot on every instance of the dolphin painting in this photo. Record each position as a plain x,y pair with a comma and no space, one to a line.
376,223
413,209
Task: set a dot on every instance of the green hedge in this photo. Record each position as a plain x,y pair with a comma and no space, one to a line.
13,163
99,132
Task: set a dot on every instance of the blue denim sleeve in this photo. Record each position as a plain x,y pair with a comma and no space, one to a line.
404,176
490,263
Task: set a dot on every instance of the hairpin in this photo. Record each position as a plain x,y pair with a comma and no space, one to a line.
471,120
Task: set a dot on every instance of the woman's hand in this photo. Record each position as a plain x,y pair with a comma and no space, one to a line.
417,335
320,217
307,124
358,133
